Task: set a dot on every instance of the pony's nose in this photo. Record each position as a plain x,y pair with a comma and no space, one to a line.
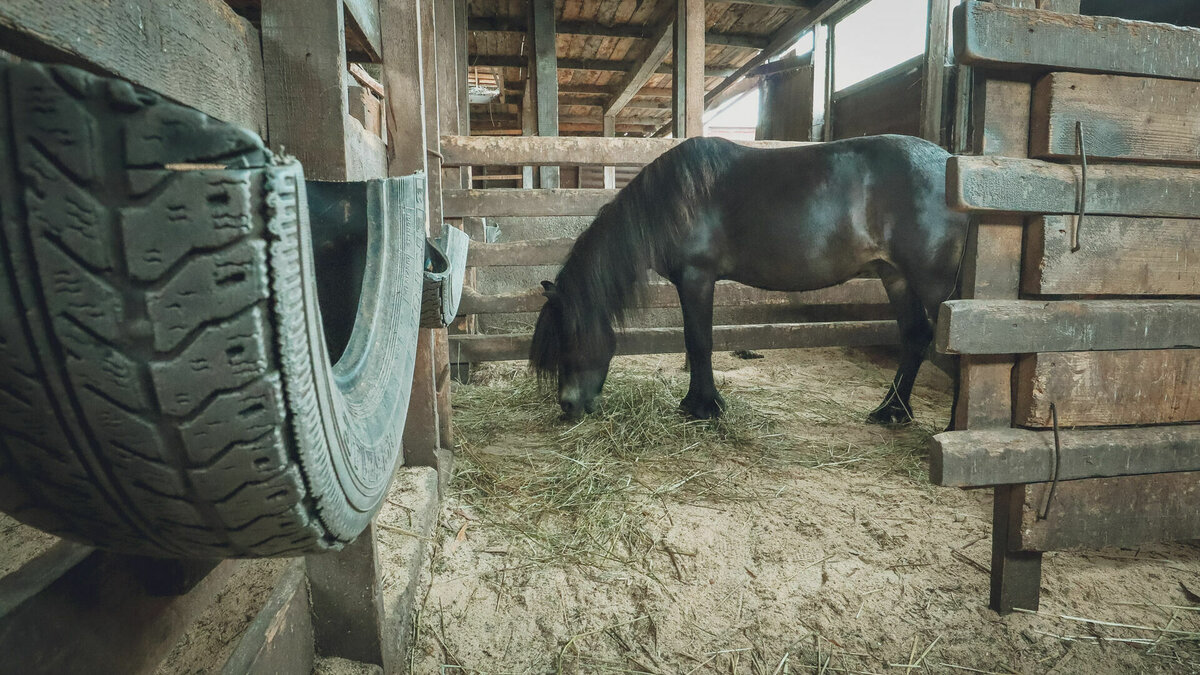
570,408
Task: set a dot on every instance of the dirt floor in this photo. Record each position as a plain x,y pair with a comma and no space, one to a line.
790,538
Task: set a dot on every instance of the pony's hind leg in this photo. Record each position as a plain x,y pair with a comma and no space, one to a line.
695,288
916,334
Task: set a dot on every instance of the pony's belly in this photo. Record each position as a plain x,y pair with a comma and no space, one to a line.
793,273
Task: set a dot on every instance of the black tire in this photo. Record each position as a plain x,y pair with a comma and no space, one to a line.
164,383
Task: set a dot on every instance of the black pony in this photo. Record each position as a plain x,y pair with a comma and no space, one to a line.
784,219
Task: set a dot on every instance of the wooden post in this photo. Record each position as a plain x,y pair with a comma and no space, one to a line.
823,88
543,70
610,172
687,101
448,85
933,80
347,602
528,128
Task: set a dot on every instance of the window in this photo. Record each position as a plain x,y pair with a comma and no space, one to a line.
877,36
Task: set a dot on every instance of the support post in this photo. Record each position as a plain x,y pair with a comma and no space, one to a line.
543,70
528,128
347,601
610,172
822,128
687,102
933,80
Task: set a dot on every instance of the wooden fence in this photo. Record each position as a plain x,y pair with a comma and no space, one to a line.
1070,352
862,301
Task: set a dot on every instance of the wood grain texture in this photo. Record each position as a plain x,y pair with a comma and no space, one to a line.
476,348
933,82
365,16
1117,256
280,638
643,68
1124,118
1112,388
542,202
688,69
1100,512
1003,37
404,106
1008,456
566,150
1029,326
1009,185
198,53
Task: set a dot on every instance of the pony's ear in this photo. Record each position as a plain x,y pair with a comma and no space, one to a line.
548,289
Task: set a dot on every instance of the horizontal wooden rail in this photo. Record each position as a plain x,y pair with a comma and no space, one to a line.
501,202
663,294
476,348
991,35
1004,184
1010,456
565,151
1030,326
519,253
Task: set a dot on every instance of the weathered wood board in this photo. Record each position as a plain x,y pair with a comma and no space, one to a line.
1005,184
1117,256
198,53
663,294
565,150
1124,118
1029,326
476,348
1099,512
1158,386
989,34
543,202
280,639
1006,456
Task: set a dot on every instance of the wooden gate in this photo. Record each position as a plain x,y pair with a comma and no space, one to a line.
1081,277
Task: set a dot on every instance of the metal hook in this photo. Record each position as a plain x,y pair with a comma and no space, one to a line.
1080,188
1045,510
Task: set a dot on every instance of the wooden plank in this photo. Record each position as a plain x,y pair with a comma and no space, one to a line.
481,24
611,65
1008,456
366,108
1117,256
35,575
933,80
566,150
400,21
366,154
1099,512
1008,185
433,118
989,34
543,71
610,170
500,202
280,638
519,253
347,602
655,53
476,348
1124,118
687,77
663,294
1109,388
198,53
365,16
1028,326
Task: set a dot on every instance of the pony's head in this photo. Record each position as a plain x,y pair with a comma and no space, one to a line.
573,347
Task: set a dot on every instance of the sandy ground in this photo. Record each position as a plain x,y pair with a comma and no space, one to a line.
853,563
19,544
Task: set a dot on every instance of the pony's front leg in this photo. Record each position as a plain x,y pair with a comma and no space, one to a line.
696,298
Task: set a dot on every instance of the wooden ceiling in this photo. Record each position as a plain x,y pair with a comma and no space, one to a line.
599,43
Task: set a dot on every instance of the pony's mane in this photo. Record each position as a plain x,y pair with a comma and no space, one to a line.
642,227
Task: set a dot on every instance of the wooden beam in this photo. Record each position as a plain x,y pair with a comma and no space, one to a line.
688,66
543,71
519,253
933,80
630,31
618,66
280,638
640,71
1028,326
1112,388
1124,118
433,120
1007,456
365,16
1124,511
1117,256
543,202
477,348
610,170
1008,185
198,53
663,294
567,151
403,79
996,36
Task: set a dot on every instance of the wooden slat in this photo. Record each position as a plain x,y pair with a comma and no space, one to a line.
663,294
366,154
1100,512
566,150
479,24
476,348
1117,256
1124,118
1028,326
365,15
400,21
1007,456
1002,37
550,202
1158,386
199,53
519,253
1004,184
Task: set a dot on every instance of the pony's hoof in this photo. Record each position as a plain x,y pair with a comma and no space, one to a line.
890,416
703,408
